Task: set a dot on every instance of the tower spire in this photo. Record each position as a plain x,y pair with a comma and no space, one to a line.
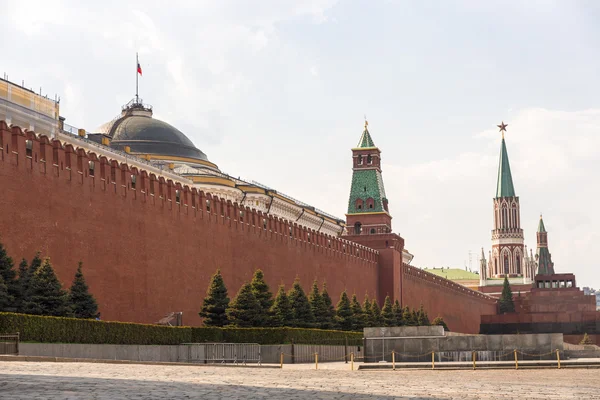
368,205
507,236
365,139
545,264
482,269
541,227
505,187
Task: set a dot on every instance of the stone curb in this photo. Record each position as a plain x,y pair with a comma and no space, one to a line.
478,368
485,365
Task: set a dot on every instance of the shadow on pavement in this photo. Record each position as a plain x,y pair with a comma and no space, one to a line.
52,387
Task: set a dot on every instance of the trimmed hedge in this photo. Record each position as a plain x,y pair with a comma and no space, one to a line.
34,328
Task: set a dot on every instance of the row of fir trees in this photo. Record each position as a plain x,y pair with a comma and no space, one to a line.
34,288
255,306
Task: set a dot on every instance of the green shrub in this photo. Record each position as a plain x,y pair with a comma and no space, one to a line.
34,328
44,329
319,336
255,335
207,334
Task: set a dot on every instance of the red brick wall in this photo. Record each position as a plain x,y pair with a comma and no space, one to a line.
567,310
543,317
390,261
496,290
460,307
145,255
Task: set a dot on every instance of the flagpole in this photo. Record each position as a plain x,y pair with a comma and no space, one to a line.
136,78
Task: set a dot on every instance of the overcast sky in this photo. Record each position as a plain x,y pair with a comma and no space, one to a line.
276,91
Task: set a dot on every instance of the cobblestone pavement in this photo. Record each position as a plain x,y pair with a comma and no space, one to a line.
31,380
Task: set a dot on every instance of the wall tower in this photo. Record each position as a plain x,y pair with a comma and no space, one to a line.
482,269
507,236
368,212
542,255
368,220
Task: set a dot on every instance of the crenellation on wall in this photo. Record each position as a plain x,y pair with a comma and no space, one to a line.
460,307
144,252
417,273
73,164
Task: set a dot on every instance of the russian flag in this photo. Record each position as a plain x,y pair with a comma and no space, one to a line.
139,68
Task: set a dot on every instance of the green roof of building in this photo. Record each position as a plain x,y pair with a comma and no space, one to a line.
545,264
541,227
505,183
366,140
366,183
453,274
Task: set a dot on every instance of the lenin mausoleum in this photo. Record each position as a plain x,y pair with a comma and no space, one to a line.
152,218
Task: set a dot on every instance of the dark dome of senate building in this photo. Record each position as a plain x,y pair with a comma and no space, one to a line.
149,135
152,138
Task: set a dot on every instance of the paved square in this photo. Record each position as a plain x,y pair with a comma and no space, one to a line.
31,380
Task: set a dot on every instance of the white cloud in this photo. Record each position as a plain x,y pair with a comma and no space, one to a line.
33,17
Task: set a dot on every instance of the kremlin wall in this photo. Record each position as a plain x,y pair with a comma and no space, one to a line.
150,243
152,219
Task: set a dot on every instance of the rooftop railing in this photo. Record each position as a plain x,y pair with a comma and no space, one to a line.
136,103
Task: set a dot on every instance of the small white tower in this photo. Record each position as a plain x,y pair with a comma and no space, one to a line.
482,269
